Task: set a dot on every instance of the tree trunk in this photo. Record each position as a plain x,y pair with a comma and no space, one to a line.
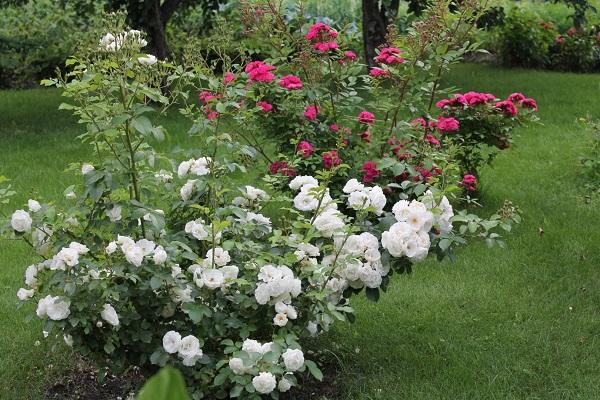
374,29
153,20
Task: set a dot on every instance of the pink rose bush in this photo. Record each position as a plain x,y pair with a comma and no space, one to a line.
185,258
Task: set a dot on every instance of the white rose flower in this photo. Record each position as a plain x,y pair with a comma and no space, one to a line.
160,255
190,347
134,255
146,245
252,346
264,383
21,221
280,320
68,340
377,199
305,201
171,342
353,186
400,210
300,181
53,308
79,248
68,256
33,205
199,167
187,190
31,275
183,295
293,359
230,272
149,59
111,248
221,257
284,385
114,214
24,294
70,195
212,278
237,366
312,328
328,222
87,168
109,314
184,168
359,200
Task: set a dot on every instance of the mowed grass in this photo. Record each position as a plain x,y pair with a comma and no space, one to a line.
515,323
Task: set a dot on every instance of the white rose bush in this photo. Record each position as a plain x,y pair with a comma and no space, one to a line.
186,258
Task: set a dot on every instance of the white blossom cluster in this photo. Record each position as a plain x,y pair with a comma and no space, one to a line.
187,348
199,167
214,273
266,382
361,197
442,212
276,284
410,235
250,197
136,251
359,263
112,43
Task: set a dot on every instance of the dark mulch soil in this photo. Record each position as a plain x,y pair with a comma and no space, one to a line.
81,383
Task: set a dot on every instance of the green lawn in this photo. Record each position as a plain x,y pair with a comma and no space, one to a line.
520,323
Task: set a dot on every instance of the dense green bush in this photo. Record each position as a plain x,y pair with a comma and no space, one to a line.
577,50
37,36
522,41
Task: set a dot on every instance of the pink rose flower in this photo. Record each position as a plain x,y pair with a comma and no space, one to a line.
324,47
370,172
206,96
258,71
331,159
516,97
447,124
312,112
529,103
507,107
469,182
264,106
283,168
389,56
305,148
228,78
377,72
290,82
432,140
365,117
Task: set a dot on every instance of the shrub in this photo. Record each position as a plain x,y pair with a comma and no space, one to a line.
37,37
522,41
178,259
576,50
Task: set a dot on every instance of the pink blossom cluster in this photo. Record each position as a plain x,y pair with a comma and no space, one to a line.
283,168
370,172
331,159
290,82
323,37
469,182
258,71
389,56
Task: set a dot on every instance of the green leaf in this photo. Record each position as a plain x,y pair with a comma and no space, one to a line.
196,312
142,124
314,370
167,384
